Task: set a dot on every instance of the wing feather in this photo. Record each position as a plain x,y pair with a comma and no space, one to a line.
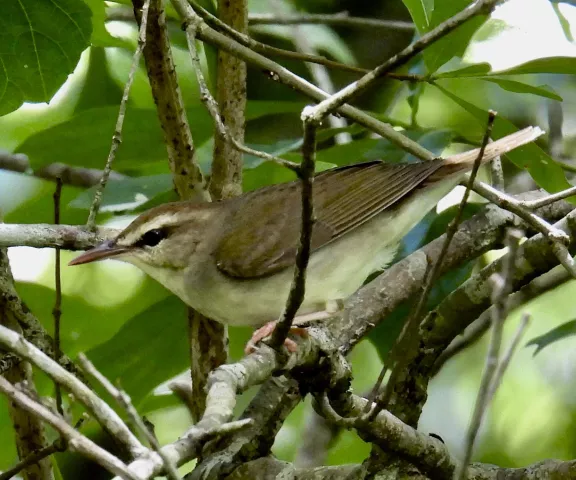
262,236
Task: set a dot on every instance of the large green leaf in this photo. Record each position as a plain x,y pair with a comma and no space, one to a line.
560,65
40,45
428,15
150,348
421,13
567,329
565,65
520,87
126,194
100,36
99,88
85,139
543,169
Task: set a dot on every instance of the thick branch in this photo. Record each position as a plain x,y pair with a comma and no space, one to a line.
188,178
28,429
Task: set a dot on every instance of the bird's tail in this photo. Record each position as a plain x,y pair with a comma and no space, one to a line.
464,161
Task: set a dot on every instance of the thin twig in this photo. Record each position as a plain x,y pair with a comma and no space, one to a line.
557,238
117,137
124,401
101,411
212,107
481,325
502,286
430,278
503,364
266,49
76,441
74,176
58,445
319,74
279,73
340,19
298,286
352,90
555,197
57,310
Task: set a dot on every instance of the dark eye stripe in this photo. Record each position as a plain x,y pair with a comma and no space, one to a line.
152,237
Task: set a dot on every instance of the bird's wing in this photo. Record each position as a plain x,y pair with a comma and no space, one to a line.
262,236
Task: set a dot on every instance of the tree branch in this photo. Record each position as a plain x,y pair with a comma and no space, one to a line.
73,176
117,136
76,441
341,19
28,430
105,415
285,76
188,178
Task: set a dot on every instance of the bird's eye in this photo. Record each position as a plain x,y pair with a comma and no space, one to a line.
153,237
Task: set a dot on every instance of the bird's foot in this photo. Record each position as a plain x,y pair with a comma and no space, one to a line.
266,330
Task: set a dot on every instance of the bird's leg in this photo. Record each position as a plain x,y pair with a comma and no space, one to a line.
300,321
266,330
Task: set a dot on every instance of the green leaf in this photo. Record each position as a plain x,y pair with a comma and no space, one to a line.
476,70
40,45
99,87
83,325
421,13
126,194
428,15
565,330
281,147
100,36
564,65
149,348
543,169
277,149
85,139
520,87
455,43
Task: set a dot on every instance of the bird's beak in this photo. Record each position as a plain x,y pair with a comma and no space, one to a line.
105,250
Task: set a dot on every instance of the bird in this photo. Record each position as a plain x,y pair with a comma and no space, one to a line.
233,260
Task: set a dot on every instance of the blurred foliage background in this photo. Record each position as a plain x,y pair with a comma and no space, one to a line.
133,330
